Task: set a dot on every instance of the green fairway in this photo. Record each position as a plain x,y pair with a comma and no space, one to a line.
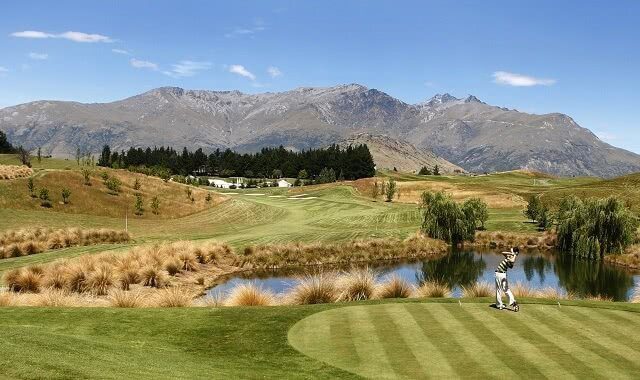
409,338
450,340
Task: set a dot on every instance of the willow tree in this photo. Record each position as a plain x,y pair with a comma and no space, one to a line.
444,219
595,227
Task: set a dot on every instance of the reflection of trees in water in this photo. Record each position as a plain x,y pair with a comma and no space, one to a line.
458,268
536,264
592,278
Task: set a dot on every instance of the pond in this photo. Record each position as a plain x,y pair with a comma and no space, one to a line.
462,268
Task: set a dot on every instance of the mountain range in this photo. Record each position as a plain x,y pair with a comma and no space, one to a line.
467,132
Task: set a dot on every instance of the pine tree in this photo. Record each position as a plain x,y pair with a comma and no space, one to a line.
155,205
390,190
32,187
66,194
138,205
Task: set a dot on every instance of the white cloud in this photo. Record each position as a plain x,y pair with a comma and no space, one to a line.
32,34
274,71
3,71
240,70
38,56
519,80
70,35
246,31
187,68
121,51
140,64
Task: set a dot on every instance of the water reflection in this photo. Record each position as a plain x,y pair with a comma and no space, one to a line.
462,268
456,270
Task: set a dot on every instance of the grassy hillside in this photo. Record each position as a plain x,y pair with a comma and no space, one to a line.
589,340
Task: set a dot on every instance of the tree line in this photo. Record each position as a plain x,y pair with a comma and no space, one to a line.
352,162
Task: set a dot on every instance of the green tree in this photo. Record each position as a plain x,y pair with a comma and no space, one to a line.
32,187
390,189
534,205
302,174
436,170
136,184
66,194
39,155
476,211
545,219
444,219
138,205
45,201
155,205
208,197
78,155
276,173
5,145
594,228
424,171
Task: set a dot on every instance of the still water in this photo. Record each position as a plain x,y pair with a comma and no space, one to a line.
462,268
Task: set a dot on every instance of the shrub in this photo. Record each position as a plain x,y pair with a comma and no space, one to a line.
172,266
155,205
314,289
595,227
32,187
66,194
113,185
137,206
478,289
444,219
86,174
431,289
76,278
390,189
23,280
136,184
45,201
357,285
249,295
394,287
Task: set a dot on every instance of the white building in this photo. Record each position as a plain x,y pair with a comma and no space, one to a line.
283,183
219,183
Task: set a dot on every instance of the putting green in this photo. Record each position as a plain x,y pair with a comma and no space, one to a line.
444,340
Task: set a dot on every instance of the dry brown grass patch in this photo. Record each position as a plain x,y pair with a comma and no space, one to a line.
478,289
313,289
14,171
250,295
394,287
432,289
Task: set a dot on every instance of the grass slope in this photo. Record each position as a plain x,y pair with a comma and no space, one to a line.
394,338
445,340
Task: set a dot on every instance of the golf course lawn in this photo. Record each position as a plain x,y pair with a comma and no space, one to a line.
383,339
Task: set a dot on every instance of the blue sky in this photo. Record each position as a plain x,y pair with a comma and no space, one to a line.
575,57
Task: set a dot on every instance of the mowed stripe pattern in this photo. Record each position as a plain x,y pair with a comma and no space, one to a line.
446,340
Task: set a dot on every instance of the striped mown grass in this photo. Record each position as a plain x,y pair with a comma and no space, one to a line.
471,340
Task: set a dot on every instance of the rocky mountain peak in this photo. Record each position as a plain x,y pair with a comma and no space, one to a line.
473,99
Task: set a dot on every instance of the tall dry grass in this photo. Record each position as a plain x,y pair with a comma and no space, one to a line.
24,242
500,239
275,256
250,295
394,287
173,297
432,289
357,285
14,171
125,299
478,289
313,289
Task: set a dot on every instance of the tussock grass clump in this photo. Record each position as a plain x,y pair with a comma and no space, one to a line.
357,285
100,280
394,287
250,295
23,280
479,289
432,289
125,299
7,298
173,297
314,289
26,242
153,276
55,298
14,171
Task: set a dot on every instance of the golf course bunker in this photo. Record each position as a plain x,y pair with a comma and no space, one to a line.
472,340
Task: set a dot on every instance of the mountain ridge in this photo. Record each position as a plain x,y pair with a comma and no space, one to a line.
465,131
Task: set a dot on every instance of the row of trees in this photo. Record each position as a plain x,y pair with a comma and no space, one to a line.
5,145
426,171
43,194
352,162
